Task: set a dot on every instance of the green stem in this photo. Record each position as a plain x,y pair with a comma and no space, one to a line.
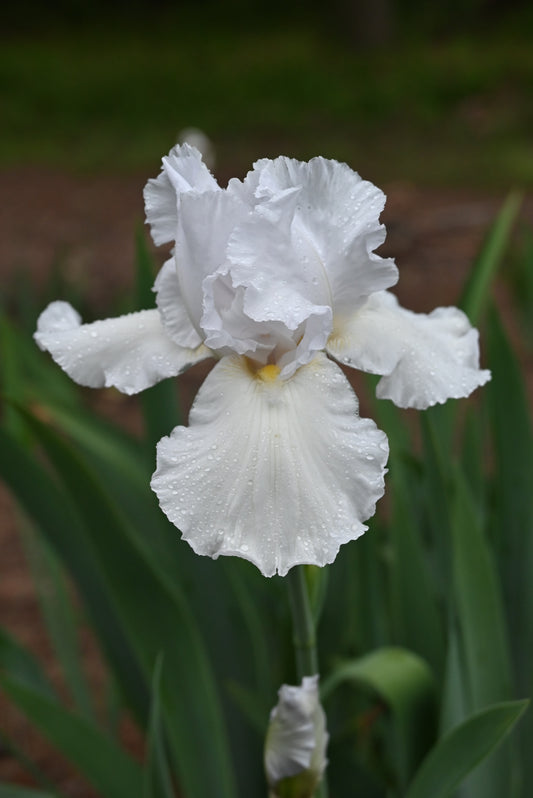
303,623
304,636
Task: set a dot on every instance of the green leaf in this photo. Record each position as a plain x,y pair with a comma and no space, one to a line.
107,766
479,604
51,509
483,638
407,686
477,288
156,618
513,511
15,751
122,466
27,374
390,418
157,775
418,624
458,753
437,474
454,705
55,597
474,454
511,429
356,580
253,706
247,587
15,660
104,441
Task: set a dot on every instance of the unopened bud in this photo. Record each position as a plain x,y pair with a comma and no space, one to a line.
296,741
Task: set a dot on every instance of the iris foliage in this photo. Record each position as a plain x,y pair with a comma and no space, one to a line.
425,624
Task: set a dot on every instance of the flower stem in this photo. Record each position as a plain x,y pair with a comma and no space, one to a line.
303,624
304,637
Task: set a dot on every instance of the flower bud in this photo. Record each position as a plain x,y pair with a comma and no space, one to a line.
296,741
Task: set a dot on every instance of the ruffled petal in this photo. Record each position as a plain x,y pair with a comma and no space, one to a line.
183,170
280,286
205,224
130,352
173,309
279,472
337,221
228,329
263,320
275,296
424,359
296,737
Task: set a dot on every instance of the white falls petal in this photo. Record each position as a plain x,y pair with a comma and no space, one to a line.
279,472
131,352
172,307
424,359
183,170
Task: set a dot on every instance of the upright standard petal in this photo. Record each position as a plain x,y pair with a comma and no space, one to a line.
174,314
336,223
279,472
205,223
183,170
263,301
130,352
424,359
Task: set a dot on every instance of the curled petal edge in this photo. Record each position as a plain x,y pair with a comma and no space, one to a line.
424,359
130,352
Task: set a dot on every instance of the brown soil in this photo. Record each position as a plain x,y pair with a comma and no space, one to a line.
88,223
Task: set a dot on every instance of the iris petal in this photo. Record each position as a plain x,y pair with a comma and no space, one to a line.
336,221
131,352
424,359
296,738
172,307
205,224
279,472
183,170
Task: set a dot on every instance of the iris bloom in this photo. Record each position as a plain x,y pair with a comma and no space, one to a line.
269,276
296,741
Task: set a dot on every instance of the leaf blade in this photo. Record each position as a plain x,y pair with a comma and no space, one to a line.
450,761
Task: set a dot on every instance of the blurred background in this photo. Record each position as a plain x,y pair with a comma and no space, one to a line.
432,102
414,96
431,93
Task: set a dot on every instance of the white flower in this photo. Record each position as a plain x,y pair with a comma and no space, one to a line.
269,275
296,741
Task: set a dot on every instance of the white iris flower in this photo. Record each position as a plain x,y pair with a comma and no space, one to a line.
296,741
267,276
